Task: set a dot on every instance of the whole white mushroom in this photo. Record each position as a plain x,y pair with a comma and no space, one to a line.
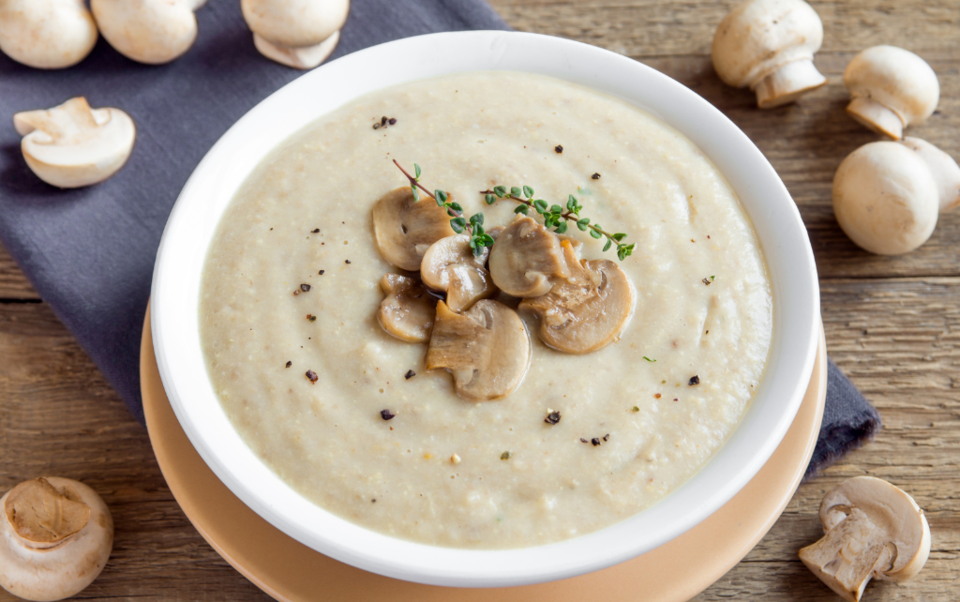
148,31
890,88
886,198
769,46
945,171
55,537
296,33
46,34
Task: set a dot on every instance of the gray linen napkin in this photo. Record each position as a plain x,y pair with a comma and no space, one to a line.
90,251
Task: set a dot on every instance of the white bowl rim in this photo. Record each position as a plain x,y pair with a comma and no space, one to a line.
196,213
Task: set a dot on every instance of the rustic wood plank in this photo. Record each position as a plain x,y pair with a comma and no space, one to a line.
13,284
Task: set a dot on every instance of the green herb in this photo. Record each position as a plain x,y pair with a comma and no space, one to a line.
558,218
635,408
479,239
649,360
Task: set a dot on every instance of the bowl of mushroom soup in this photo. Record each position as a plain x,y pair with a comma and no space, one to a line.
347,432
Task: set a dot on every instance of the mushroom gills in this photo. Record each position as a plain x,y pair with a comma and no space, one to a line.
525,258
450,266
43,516
72,145
587,310
486,349
405,228
408,310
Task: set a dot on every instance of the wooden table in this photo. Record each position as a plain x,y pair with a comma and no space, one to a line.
893,324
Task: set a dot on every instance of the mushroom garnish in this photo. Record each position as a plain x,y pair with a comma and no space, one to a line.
885,198
73,145
769,46
46,34
587,310
486,348
525,258
55,537
148,31
943,168
407,311
405,228
449,265
873,530
890,88
296,33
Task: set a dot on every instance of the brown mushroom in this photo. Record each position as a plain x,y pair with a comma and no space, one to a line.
872,530
525,258
587,310
486,348
55,537
449,265
405,228
407,311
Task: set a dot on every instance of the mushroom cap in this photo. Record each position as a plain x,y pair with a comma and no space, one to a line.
586,311
887,78
46,34
295,23
885,198
72,145
405,228
759,37
525,258
449,265
486,348
43,554
407,310
943,168
147,31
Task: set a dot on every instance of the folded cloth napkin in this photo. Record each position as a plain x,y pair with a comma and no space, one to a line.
90,251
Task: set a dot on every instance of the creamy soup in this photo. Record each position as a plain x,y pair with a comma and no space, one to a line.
304,371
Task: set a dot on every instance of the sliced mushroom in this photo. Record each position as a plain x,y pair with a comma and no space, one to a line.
486,348
408,310
769,46
46,34
405,228
55,537
873,530
73,145
525,258
587,310
449,265
890,88
296,33
148,31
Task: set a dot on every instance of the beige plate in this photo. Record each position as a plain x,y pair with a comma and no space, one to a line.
288,570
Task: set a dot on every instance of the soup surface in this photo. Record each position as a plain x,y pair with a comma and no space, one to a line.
635,423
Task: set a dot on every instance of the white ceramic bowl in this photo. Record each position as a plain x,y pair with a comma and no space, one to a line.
176,286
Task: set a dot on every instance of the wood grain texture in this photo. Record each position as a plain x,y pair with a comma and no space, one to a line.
892,324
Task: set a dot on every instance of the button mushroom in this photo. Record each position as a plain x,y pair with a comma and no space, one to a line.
873,529
587,310
405,228
46,34
486,348
525,257
148,31
449,265
769,46
73,145
885,198
407,311
945,171
296,33
890,88
55,537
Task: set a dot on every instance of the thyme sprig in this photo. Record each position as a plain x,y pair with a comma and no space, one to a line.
479,239
556,218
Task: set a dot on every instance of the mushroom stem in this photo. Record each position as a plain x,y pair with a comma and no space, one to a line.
876,116
787,83
306,57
